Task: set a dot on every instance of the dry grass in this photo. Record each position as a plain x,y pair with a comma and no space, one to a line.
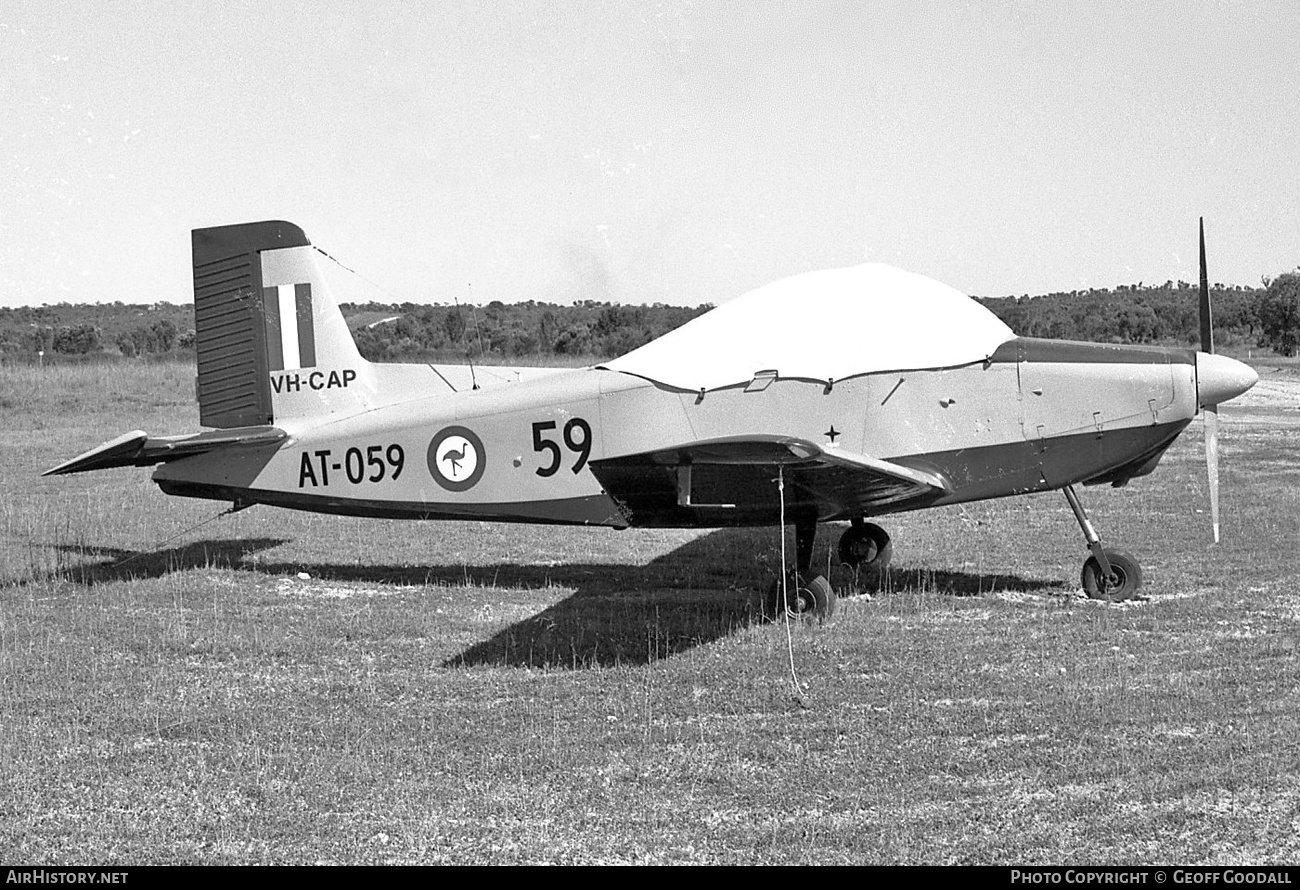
470,693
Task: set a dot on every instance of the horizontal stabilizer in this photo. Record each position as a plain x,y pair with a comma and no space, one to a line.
139,449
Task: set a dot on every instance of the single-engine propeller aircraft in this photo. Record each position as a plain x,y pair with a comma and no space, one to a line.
833,395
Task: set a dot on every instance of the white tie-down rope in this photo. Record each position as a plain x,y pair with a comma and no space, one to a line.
796,689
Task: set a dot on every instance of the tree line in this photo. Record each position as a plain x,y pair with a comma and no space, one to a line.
1168,313
89,330
410,332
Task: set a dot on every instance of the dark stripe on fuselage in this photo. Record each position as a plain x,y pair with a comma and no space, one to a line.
594,510
1033,349
649,491
1001,470
650,501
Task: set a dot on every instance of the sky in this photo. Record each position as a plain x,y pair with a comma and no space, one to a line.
640,152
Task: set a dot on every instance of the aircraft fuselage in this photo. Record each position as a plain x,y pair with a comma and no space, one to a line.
595,446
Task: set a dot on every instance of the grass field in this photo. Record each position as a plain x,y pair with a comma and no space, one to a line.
274,687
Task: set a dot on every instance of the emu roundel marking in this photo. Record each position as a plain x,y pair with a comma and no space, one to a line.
457,459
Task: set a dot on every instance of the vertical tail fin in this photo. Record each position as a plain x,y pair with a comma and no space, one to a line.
271,343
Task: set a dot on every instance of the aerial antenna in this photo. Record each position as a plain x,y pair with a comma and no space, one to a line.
346,268
469,355
473,314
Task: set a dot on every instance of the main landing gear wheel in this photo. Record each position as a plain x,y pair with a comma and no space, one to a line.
1126,578
804,599
865,545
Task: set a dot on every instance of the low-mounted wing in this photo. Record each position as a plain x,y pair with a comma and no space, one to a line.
862,485
735,480
139,449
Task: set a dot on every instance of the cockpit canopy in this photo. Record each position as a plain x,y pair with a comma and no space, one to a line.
827,325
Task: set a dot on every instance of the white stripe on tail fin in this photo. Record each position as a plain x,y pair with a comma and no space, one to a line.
290,333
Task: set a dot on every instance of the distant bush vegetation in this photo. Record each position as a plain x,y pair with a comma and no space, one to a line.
410,332
1163,314
90,330
1168,313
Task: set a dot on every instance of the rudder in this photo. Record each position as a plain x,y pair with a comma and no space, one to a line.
271,343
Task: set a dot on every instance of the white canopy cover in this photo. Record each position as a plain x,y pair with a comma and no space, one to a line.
826,325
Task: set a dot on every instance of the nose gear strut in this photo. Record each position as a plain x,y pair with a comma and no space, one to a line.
1109,575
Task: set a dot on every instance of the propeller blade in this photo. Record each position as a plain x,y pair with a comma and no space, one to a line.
1211,411
1207,323
1212,463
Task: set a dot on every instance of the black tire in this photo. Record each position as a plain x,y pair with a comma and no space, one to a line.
884,548
805,599
866,546
1128,578
857,547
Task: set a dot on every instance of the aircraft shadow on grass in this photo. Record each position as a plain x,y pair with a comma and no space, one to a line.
119,564
587,630
616,614
639,614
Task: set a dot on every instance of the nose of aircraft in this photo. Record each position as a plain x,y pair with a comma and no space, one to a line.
1219,378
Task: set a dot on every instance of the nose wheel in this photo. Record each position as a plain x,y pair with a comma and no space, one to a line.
1120,584
1109,575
